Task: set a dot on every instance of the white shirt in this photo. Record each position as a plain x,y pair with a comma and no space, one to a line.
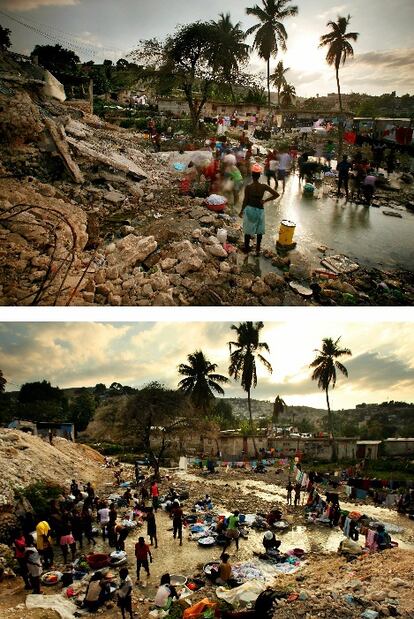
284,161
103,515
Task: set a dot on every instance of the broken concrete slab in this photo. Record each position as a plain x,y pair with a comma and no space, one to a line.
59,138
112,159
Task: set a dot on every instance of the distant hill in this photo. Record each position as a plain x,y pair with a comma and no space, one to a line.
264,408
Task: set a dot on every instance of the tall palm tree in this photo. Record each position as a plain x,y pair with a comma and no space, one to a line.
339,49
278,78
230,50
3,382
201,382
270,31
288,94
243,353
325,365
279,406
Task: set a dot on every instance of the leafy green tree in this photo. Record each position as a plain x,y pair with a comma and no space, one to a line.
201,381
154,417
5,41
39,401
243,354
339,49
278,78
230,51
325,366
270,33
222,413
56,58
188,61
81,410
99,389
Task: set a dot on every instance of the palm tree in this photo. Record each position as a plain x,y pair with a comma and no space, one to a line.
288,94
279,407
339,48
3,382
230,50
270,31
325,365
201,382
243,359
278,78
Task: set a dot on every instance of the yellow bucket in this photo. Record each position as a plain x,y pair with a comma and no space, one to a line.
286,232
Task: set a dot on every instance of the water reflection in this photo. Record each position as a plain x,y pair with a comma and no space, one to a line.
362,233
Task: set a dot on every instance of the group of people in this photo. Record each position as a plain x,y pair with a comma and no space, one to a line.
357,178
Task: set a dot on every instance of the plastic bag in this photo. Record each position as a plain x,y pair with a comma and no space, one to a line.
222,236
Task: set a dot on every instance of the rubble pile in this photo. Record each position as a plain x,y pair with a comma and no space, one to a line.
379,585
25,459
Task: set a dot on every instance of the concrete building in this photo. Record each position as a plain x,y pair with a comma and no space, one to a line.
41,428
233,445
398,447
368,449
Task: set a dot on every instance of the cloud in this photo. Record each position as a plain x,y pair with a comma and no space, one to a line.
334,10
20,6
390,69
374,370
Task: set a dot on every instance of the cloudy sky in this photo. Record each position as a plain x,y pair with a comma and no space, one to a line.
106,29
83,354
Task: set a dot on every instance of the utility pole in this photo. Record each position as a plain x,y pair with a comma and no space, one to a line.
91,94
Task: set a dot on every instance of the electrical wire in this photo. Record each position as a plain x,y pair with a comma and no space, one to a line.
48,34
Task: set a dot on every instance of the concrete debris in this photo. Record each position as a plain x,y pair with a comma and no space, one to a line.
59,138
112,160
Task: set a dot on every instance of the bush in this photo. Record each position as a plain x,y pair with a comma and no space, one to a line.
39,495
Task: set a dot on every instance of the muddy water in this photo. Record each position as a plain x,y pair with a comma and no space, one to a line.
317,537
362,233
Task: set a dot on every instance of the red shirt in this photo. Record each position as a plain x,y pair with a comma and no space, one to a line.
20,547
154,490
141,552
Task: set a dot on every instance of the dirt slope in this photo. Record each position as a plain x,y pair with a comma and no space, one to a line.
25,458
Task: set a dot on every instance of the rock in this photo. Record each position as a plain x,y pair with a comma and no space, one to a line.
259,288
88,296
159,281
196,234
168,263
114,299
112,273
274,280
191,264
206,220
399,582
116,197
132,250
147,290
164,299
100,276
216,250
104,289
225,267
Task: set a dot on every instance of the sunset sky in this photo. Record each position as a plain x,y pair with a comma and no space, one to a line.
83,354
103,29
